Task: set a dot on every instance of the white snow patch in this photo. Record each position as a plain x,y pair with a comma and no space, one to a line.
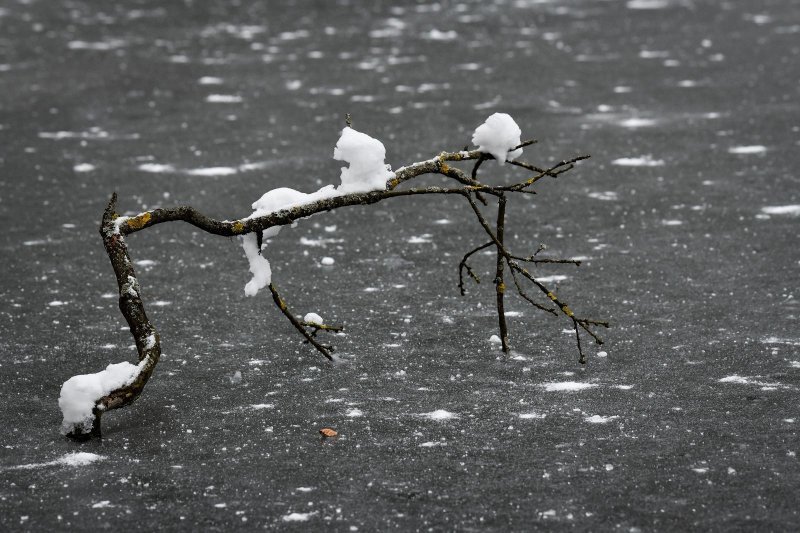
598,419
260,406
602,354
80,393
102,504
552,279
494,339
210,80
212,171
224,99
567,386
145,262
440,414
365,154
529,416
298,517
604,195
313,318
638,122
57,303
354,413
70,459
420,239
643,161
432,444
327,261
499,134
793,210
672,222
747,150
83,167
647,4
155,168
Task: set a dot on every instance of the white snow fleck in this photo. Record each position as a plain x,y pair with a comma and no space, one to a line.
602,354
260,406
57,303
297,517
623,387
365,154
210,80
529,416
567,386
145,262
432,444
327,261
420,239
647,4
212,171
552,279
700,470
77,459
102,504
155,168
499,134
313,318
354,413
598,419
672,222
438,35
80,393
494,339
793,210
746,150
637,122
736,379
304,489
83,167
440,414
643,161
604,195
223,99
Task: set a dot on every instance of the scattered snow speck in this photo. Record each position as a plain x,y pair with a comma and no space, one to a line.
432,444
210,80
354,413
643,161
83,167
623,387
260,406
604,195
747,150
735,379
155,168
499,134
57,303
701,470
672,222
297,517
220,505
212,171
102,505
78,459
552,279
598,419
602,354
420,239
529,416
567,386
647,4
223,99
327,261
438,35
793,210
636,122
440,414
304,489
145,262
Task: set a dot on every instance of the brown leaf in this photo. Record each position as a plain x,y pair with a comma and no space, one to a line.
328,432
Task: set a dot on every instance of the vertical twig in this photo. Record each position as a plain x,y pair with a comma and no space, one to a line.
498,280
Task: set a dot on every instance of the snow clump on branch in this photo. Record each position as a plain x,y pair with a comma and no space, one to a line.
499,134
79,394
367,172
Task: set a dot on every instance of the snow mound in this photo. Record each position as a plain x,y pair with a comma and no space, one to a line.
497,136
365,154
313,318
79,394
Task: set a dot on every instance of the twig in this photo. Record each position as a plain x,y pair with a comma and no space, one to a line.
464,265
500,286
324,350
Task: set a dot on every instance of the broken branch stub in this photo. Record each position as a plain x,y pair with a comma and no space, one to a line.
115,229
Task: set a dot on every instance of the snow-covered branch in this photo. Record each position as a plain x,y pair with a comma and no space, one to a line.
366,180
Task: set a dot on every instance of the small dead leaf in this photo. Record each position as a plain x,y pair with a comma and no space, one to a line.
328,432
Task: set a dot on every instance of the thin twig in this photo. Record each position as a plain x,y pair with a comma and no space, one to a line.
281,303
464,265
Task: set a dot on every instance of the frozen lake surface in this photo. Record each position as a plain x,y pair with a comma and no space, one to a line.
686,219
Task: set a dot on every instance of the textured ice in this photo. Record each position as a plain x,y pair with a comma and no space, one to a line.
499,134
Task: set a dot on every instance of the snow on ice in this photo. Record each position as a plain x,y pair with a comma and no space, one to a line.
440,414
497,136
313,318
